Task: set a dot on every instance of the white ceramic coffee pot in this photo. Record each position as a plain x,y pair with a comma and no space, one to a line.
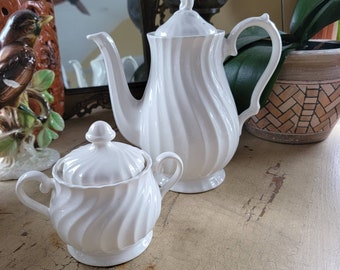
105,197
187,107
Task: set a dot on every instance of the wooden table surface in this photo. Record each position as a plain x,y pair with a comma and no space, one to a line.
279,208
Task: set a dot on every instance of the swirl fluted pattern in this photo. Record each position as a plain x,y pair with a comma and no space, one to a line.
90,165
106,219
190,112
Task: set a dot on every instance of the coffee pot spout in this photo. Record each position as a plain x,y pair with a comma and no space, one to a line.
126,109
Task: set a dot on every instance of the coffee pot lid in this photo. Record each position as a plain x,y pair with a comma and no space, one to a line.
101,162
185,23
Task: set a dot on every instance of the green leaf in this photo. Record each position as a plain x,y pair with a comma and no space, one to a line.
8,146
45,137
48,97
42,79
56,121
310,16
26,118
302,14
326,15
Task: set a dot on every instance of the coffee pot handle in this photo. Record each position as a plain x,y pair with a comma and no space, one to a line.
231,50
46,184
167,182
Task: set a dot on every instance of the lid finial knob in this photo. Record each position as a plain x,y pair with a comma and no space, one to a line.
100,132
186,4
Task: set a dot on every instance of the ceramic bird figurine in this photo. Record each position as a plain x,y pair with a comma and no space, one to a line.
17,57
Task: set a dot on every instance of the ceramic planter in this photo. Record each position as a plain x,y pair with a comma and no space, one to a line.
304,105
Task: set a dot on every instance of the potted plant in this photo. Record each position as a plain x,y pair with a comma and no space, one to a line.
301,102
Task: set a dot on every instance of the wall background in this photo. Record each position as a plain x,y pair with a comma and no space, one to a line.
236,10
129,42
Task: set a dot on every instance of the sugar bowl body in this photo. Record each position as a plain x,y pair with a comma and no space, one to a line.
104,215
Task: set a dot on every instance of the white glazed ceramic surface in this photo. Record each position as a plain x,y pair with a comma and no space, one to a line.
107,224
98,71
184,23
103,161
187,107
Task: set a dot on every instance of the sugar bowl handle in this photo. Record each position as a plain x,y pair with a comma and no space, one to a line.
46,184
167,182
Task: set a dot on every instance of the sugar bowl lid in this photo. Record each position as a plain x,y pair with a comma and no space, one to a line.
185,23
101,162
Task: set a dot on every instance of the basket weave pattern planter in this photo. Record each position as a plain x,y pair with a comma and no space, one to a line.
301,111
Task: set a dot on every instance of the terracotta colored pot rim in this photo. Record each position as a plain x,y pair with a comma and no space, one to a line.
306,65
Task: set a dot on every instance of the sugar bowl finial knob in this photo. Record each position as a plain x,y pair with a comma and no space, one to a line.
100,132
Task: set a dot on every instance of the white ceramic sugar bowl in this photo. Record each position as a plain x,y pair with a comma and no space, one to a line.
105,198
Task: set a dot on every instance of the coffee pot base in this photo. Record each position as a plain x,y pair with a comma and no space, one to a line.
111,259
198,185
